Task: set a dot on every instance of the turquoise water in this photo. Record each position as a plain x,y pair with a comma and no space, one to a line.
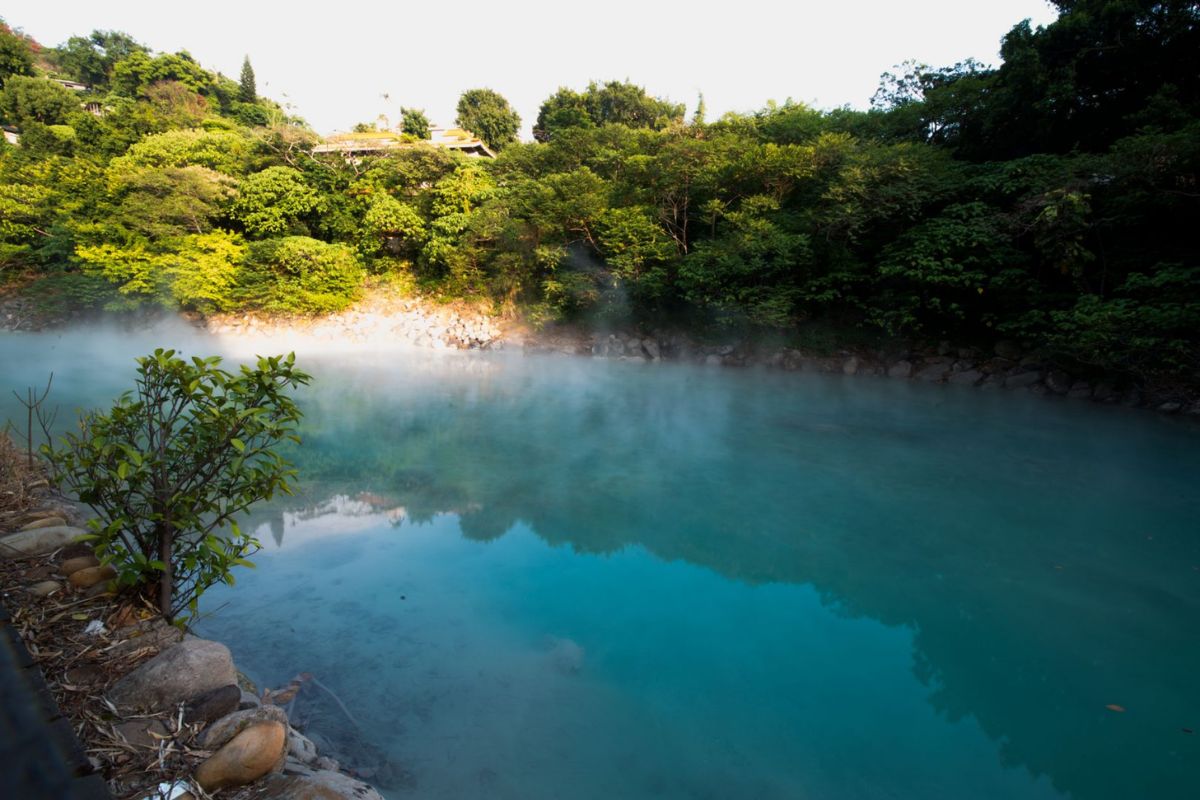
563,578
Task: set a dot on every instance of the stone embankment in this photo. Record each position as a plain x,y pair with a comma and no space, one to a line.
385,319
169,714
1007,366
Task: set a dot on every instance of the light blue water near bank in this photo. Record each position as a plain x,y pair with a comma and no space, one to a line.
559,578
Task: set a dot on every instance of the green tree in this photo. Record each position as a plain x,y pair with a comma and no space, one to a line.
90,59
247,91
15,55
564,109
170,201
414,122
273,202
488,115
391,226
171,467
24,100
297,274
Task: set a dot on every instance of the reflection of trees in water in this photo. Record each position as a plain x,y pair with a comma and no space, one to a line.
826,487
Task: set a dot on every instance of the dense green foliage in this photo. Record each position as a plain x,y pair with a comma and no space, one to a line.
414,122
1046,201
488,115
168,470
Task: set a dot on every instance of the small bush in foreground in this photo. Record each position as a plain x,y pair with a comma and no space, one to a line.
171,466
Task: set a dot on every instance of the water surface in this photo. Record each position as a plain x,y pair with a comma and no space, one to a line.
562,578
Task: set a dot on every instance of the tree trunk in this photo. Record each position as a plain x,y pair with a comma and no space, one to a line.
165,585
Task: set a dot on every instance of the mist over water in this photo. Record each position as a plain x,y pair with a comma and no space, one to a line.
557,577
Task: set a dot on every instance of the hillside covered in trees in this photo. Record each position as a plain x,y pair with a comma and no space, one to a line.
1049,200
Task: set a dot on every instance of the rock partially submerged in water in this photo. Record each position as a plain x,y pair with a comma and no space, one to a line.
316,785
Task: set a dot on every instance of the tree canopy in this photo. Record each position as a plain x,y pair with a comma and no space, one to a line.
1048,200
488,115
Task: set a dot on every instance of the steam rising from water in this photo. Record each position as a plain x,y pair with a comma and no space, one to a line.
552,577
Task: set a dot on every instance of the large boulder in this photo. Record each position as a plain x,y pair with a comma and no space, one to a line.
39,540
254,752
177,674
901,369
231,725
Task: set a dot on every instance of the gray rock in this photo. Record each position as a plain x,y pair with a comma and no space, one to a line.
1022,380
1170,408
1058,381
901,369
1105,392
713,360
1080,390
248,700
154,633
651,348
39,540
301,748
967,377
850,367
213,705
932,373
175,675
44,588
317,785
231,725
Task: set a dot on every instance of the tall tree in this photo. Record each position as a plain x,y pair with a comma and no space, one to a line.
15,55
414,122
489,116
247,91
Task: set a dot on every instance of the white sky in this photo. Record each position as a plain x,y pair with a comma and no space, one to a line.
334,61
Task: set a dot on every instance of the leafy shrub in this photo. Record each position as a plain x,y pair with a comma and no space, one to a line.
169,469
271,202
299,274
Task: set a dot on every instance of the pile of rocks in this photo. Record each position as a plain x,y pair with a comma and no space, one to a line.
171,692
1007,367
408,322
245,741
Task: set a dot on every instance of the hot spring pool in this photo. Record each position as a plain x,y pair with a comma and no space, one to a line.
563,578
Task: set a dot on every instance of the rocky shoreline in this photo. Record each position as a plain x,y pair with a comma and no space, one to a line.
161,713
420,325
384,318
